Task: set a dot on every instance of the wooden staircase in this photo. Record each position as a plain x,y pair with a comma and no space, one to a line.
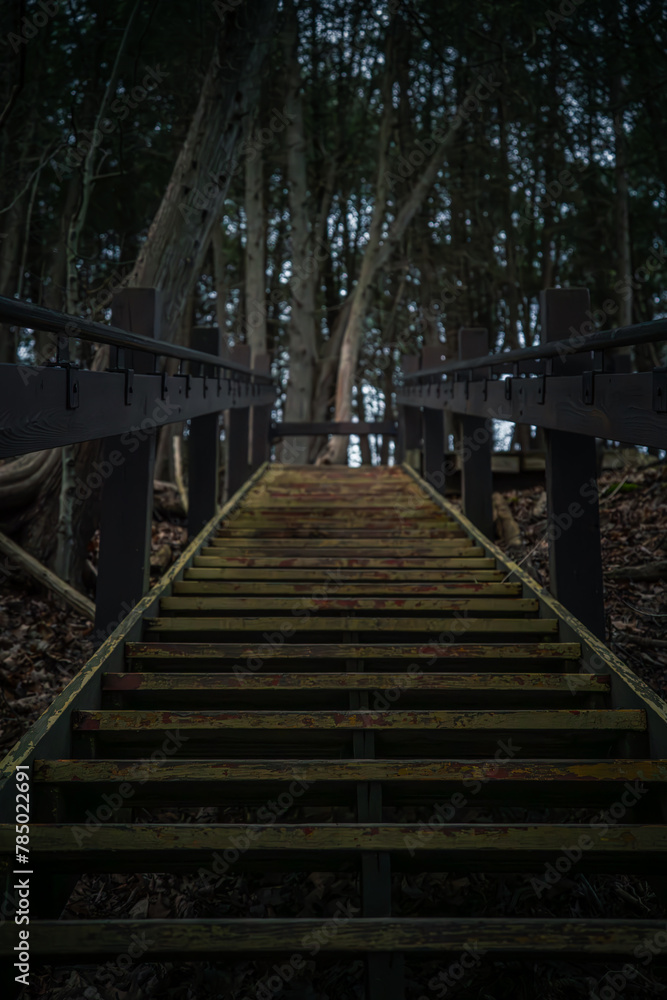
340,651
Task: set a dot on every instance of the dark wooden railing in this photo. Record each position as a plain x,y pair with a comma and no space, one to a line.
564,385
56,403
567,386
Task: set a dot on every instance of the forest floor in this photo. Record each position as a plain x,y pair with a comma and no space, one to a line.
633,523
42,647
44,644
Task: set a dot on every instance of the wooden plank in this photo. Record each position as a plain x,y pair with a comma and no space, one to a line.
352,514
371,504
317,428
462,559
366,681
263,651
317,624
335,545
372,588
405,771
344,550
330,575
25,428
136,845
76,940
507,462
510,720
264,604
623,410
382,530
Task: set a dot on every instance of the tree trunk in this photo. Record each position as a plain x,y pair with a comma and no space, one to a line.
9,274
220,279
302,336
255,271
178,239
622,356
172,256
376,256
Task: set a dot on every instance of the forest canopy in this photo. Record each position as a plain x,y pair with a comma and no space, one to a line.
334,182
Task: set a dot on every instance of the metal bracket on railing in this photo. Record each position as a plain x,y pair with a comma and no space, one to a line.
588,387
541,387
129,386
71,383
72,388
660,390
129,382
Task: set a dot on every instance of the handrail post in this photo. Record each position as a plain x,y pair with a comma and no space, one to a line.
204,445
476,442
260,417
237,434
433,429
409,421
575,559
127,492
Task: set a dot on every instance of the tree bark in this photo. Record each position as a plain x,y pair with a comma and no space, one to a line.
174,251
255,271
178,239
376,256
302,334
622,356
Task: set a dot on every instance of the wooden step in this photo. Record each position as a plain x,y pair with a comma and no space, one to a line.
456,556
338,505
461,559
354,574
333,545
264,605
480,846
370,588
342,516
371,504
467,626
407,771
512,721
300,548
61,941
581,784
385,530
264,651
367,681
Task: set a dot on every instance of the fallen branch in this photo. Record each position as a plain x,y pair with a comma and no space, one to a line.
640,640
33,568
651,571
